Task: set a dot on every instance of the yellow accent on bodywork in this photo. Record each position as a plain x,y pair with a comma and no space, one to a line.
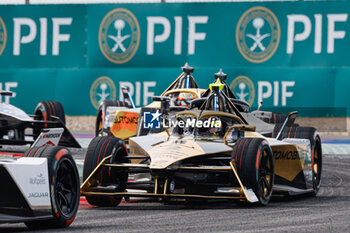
155,104
249,134
287,161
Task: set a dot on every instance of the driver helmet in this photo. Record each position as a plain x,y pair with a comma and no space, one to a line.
215,130
184,99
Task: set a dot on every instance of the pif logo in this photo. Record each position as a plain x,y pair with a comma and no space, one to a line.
243,88
3,35
103,88
258,34
119,35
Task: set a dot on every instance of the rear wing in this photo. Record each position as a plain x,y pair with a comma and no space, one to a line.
289,121
5,93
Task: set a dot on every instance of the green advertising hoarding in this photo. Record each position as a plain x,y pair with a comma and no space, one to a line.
286,54
44,36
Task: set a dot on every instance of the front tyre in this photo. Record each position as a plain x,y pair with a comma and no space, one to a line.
254,163
64,186
99,148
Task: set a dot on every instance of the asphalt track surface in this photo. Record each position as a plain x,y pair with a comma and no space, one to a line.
329,211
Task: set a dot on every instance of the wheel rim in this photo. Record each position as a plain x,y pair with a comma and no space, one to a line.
265,181
65,187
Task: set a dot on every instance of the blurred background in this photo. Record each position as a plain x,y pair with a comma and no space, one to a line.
289,55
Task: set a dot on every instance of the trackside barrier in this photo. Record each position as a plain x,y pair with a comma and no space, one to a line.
286,54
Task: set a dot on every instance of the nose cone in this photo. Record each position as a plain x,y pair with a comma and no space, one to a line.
165,154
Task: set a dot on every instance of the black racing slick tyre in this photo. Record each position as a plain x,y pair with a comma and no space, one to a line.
64,186
276,118
255,166
101,112
99,148
48,111
316,149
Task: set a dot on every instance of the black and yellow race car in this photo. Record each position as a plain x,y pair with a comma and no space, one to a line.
211,153
121,118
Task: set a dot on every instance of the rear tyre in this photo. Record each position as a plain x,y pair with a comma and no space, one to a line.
101,113
99,148
255,166
47,111
64,186
316,149
276,118
316,161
